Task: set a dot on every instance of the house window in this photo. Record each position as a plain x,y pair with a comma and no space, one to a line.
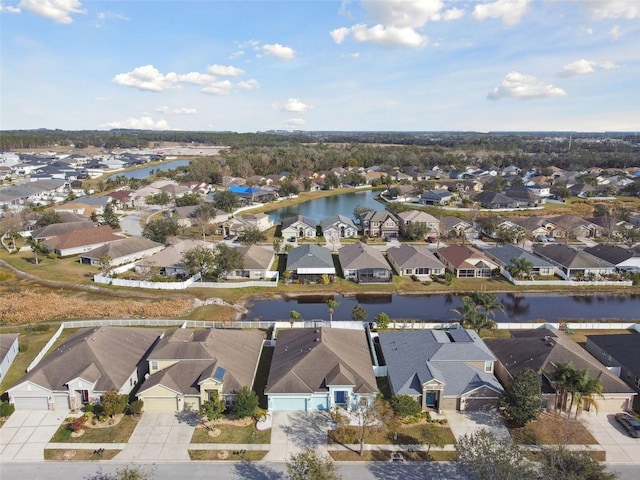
637,382
154,365
488,367
410,271
422,271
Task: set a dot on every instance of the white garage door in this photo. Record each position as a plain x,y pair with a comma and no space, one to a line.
160,404
289,404
31,403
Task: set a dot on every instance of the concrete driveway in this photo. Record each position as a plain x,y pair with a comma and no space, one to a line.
26,433
620,447
464,423
160,436
292,432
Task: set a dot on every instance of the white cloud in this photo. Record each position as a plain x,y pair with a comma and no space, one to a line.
403,13
339,34
225,71
176,111
104,17
295,105
235,55
583,67
279,51
524,87
453,14
144,122
9,9
59,11
195,78
389,36
146,77
510,11
351,55
248,84
218,88
601,9
295,122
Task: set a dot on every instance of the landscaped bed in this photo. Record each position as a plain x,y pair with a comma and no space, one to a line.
249,455
62,454
551,429
117,432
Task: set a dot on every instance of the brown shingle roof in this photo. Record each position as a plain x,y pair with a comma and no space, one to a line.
83,236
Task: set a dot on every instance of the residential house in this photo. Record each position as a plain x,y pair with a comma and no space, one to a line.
125,250
338,226
625,259
574,226
619,353
493,200
441,369
254,194
319,369
187,366
41,192
363,263
257,263
57,229
524,196
435,197
409,217
170,261
82,240
572,262
90,363
455,227
85,205
122,198
503,255
9,348
467,262
536,228
379,223
310,262
542,350
237,224
415,260
299,227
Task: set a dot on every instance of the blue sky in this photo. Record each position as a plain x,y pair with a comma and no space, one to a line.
320,65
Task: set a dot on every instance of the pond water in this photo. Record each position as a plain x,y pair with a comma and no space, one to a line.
518,308
145,172
326,206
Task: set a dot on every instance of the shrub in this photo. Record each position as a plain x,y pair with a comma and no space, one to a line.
88,408
135,407
42,327
78,424
6,409
260,414
246,402
23,347
405,406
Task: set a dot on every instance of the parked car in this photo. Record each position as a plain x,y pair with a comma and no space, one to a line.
630,424
291,239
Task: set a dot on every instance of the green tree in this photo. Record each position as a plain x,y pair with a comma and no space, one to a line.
482,456
109,216
227,260
246,402
520,268
584,390
522,399
105,263
48,217
487,302
382,321
630,236
287,187
160,229
226,200
213,408
559,462
405,406
359,314
432,435
188,200
200,259
203,215
332,305
308,465
562,376
332,181
509,234
253,235
38,249
113,403
416,231
161,198
294,316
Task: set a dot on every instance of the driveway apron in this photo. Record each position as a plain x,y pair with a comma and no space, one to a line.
26,433
160,436
292,432
620,447
465,423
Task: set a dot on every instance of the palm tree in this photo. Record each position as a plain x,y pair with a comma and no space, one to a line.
294,316
332,304
562,377
585,389
520,268
487,301
478,320
465,309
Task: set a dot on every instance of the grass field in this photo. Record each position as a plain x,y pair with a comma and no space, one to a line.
234,455
232,434
118,433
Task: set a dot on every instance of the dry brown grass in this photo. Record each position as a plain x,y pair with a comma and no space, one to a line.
79,455
551,429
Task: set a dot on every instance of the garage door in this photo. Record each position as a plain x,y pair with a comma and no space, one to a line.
160,404
191,404
61,401
289,404
611,405
477,403
31,403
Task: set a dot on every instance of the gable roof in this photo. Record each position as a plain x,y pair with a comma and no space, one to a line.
413,256
82,236
6,340
569,257
457,255
256,257
505,253
493,198
569,222
359,255
309,256
417,216
173,255
108,355
307,360
449,222
416,357
328,222
287,222
199,353
611,253
623,348
543,348
56,229
121,248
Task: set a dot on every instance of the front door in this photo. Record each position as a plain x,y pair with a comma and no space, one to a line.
340,397
431,399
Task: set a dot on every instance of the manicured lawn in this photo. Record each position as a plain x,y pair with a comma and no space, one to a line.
60,454
119,433
232,434
385,456
550,429
407,435
235,455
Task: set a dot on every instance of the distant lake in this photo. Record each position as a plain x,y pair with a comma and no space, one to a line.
437,308
323,207
145,172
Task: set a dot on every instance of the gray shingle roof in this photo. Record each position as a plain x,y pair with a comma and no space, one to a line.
505,253
121,248
6,340
256,257
360,255
309,256
611,253
334,219
413,256
623,348
287,222
569,257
